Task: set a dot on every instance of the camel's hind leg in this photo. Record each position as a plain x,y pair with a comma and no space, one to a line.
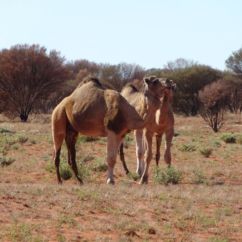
113,144
71,137
58,134
58,140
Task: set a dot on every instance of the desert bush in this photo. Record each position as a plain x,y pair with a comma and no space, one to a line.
27,75
99,165
169,175
6,161
65,171
83,171
84,139
229,138
187,147
22,139
206,152
214,98
239,139
6,131
198,177
190,79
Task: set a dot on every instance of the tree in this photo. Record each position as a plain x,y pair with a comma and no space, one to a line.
116,76
189,80
27,75
213,98
234,62
234,84
179,63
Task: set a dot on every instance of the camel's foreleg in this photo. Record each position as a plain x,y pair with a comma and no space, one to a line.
148,155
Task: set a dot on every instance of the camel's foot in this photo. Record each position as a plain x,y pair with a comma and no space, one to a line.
80,180
143,180
110,181
139,172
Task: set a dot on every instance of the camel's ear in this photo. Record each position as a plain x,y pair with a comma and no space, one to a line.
173,87
151,80
147,80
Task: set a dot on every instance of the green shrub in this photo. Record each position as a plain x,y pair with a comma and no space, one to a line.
22,139
133,176
239,139
84,139
99,165
169,175
65,171
188,147
206,152
229,138
83,171
6,161
4,131
198,177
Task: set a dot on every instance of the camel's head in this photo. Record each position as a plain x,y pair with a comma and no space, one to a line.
155,85
170,88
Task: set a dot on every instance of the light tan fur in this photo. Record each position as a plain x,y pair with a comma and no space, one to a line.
92,110
146,104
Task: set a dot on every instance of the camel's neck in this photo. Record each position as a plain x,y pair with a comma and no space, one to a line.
152,104
166,104
153,101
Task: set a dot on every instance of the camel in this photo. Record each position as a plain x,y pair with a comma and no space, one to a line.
95,111
163,122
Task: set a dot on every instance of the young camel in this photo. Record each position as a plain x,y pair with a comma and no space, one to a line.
163,122
95,111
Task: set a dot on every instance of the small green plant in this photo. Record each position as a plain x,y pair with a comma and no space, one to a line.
206,152
22,139
84,139
188,147
20,232
65,171
198,177
99,165
4,131
50,167
229,138
83,171
133,176
6,161
218,239
239,139
216,144
169,175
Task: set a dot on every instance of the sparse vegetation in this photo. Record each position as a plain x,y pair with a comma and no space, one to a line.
229,138
169,175
155,212
99,165
206,152
187,147
6,161
198,177
65,171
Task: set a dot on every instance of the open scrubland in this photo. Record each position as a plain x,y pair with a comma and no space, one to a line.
204,204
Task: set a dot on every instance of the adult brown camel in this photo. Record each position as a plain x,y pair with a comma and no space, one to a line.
96,111
162,122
